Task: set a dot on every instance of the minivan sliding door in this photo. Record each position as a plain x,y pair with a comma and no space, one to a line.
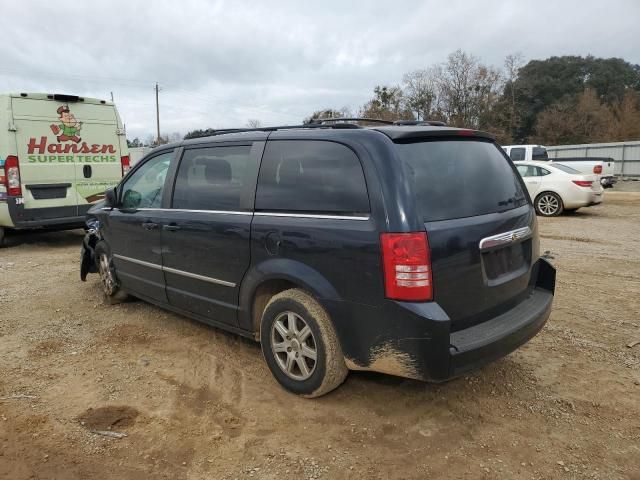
206,234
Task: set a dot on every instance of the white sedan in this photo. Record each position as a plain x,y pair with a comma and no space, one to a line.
555,187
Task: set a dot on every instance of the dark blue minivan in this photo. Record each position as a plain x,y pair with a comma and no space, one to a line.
409,250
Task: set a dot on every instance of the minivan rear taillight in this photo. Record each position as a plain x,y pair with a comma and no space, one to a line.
126,166
407,266
597,169
12,176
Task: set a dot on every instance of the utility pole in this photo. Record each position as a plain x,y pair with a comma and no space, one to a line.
157,115
111,97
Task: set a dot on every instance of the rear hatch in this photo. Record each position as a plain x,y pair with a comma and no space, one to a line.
481,227
69,152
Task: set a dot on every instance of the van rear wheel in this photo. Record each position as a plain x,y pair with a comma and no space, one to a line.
300,344
2,233
108,279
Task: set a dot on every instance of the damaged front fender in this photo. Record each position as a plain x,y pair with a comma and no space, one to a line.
88,262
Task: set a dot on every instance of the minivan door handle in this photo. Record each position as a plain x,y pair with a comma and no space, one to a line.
149,225
172,227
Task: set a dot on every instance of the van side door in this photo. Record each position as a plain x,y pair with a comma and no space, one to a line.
206,232
133,227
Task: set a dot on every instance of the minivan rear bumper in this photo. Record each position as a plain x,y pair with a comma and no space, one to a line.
488,341
415,340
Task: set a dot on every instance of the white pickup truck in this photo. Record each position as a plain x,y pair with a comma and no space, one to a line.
602,166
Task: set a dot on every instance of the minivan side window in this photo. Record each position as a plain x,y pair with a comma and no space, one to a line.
517,154
144,188
211,178
311,176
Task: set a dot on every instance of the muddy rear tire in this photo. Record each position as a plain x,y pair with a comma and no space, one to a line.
300,344
111,290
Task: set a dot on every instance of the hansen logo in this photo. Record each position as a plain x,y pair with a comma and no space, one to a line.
69,127
69,142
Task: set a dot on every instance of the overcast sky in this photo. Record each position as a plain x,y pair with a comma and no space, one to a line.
222,63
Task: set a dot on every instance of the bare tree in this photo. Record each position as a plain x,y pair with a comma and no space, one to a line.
468,90
626,117
421,92
387,104
254,123
512,64
588,120
328,113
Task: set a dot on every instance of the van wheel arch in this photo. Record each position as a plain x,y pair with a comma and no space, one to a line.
262,295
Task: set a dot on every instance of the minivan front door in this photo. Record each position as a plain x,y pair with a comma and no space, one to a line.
134,229
206,235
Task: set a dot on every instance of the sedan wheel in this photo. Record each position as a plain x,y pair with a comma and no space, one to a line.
549,204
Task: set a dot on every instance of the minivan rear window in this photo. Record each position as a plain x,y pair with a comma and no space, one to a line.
460,178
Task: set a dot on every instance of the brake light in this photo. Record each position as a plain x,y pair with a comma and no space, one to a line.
11,177
597,169
406,263
466,132
582,183
126,166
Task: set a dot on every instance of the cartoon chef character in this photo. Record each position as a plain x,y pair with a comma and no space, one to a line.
69,127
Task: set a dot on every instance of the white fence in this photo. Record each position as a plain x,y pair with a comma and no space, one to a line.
625,154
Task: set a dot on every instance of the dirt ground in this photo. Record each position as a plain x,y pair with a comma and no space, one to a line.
197,403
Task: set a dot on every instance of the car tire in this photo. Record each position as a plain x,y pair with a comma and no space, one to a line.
2,236
113,294
549,204
300,344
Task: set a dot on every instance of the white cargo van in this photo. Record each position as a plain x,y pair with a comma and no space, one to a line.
58,154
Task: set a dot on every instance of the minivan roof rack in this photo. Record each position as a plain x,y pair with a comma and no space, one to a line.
322,121
423,123
223,131
344,123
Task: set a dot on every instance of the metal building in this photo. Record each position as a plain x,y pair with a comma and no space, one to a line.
625,154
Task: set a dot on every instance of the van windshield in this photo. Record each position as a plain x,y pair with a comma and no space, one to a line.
460,178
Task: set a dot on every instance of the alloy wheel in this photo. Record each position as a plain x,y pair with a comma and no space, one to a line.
548,204
294,346
106,275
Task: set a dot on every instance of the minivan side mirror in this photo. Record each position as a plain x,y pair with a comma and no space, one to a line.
111,197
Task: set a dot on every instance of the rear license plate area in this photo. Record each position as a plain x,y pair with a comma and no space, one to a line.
506,261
